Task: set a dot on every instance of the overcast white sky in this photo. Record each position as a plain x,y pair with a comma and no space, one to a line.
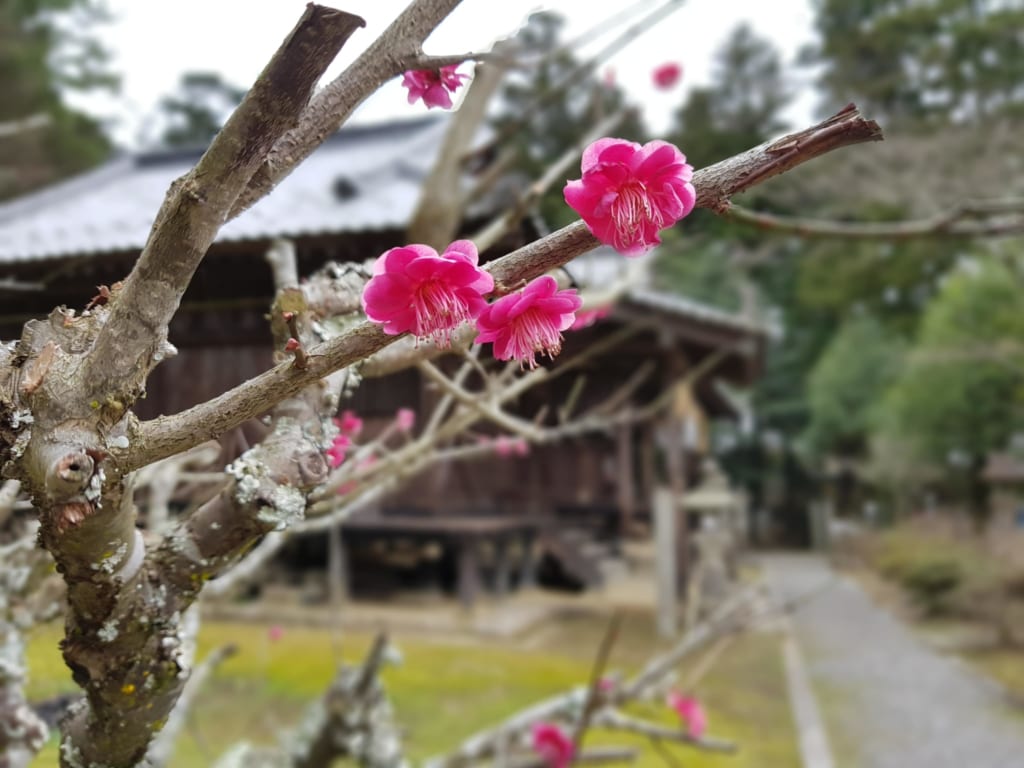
154,42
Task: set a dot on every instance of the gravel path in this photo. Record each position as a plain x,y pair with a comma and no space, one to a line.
889,700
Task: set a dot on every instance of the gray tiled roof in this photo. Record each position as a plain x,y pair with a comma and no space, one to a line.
604,266
112,208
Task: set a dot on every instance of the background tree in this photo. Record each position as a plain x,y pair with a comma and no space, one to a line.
960,394
46,50
192,115
921,62
847,383
540,128
740,108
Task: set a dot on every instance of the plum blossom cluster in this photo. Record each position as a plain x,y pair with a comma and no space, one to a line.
433,86
349,426
552,745
691,713
629,193
416,290
365,457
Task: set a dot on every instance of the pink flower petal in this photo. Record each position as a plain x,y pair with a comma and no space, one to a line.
629,193
416,290
433,86
667,75
552,745
529,321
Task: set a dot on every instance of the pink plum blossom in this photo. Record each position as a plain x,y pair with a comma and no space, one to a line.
349,423
667,75
552,744
629,193
587,317
339,447
362,468
415,290
434,86
690,712
509,446
405,419
529,321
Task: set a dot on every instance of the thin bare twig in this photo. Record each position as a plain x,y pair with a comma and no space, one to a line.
594,693
715,185
974,219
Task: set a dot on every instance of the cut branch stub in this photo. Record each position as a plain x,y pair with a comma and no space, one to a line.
71,474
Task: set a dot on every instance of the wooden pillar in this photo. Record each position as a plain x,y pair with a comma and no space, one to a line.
675,463
648,464
625,481
664,517
502,568
675,454
337,568
469,571
526,562
535,506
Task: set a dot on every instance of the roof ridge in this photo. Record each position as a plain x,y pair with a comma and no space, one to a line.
674,301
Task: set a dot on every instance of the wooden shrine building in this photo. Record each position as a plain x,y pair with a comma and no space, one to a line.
492,520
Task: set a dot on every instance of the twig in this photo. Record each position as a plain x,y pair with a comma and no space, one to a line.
998,218
389,55
556,172
485,408
168,435
574,76
482,744
594,693
707,661
197,204
614,720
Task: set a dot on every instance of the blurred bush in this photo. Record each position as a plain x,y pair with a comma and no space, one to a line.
945,573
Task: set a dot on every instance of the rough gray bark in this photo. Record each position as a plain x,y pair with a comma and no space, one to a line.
22,733
398,49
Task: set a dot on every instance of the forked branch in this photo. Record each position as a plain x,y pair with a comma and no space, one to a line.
715,185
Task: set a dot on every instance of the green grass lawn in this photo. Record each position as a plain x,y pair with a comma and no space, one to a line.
1006,665
446,690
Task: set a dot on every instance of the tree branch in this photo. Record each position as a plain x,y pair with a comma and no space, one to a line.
504,222
197,204
168,435
567,705
983,218
438,212
613,720
397,48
